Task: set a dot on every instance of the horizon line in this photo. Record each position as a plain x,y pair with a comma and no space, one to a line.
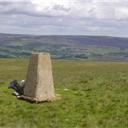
28,34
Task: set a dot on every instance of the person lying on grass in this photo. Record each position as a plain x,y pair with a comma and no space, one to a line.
18,87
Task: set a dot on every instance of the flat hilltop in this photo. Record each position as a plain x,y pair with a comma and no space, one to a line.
94,95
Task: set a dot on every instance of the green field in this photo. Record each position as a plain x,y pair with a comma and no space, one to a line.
94,95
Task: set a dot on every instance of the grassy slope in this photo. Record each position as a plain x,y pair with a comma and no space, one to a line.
97,96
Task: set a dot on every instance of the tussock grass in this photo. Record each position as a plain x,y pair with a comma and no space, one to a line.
94,95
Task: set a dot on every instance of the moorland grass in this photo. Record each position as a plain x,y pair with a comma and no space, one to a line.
94,95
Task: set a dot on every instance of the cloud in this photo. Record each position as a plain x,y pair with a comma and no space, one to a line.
68,16
115,9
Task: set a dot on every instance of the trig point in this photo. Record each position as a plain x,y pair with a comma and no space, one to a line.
39,82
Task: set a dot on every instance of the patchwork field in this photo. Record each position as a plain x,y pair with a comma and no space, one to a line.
94,95
65,47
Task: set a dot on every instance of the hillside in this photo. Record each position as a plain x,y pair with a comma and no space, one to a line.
94,95
65,47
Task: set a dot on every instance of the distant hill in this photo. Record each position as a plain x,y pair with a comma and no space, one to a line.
65,47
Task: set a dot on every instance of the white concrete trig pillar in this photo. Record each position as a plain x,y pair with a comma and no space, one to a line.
39,84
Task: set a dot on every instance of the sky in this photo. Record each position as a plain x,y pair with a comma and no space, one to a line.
64,17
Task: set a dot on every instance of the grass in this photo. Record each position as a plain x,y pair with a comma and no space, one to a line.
94,95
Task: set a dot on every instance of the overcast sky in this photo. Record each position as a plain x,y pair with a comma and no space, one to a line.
65,17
